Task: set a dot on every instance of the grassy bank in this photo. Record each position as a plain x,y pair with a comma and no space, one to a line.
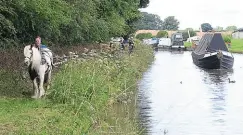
83,98
187,44
236,45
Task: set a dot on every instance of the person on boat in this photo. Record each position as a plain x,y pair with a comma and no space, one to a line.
131,42
45,51
131,45
122,44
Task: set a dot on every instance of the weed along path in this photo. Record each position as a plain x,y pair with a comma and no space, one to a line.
87,96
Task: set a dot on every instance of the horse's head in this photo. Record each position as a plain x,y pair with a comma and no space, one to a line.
29,50
32,55
28,53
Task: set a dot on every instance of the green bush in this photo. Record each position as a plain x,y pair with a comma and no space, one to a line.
161,34
227,39
142,36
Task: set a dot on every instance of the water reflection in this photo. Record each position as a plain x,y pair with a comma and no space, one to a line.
205,103
216,83
172,51
144,103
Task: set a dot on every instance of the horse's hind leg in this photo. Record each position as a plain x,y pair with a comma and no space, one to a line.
48,80
35,87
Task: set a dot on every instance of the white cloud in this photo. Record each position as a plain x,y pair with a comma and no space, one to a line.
192,13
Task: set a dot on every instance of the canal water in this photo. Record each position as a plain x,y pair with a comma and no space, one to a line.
178,98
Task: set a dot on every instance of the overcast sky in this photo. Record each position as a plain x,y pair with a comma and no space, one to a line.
192,13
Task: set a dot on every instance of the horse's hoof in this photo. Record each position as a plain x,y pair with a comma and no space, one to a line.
41,94
35,96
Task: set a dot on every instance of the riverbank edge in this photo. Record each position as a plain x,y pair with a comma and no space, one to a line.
18,114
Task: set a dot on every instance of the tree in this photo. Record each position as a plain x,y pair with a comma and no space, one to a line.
67,22
186,36
170,23
231,28
218,28
161,34
190,29
7,29
206,27
149,22
143,3
33,20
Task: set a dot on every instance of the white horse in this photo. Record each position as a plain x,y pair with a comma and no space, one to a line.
39,70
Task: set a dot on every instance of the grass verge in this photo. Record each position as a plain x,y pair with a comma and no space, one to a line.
84,98
236,46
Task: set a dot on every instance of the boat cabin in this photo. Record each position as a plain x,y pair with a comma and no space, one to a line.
177,40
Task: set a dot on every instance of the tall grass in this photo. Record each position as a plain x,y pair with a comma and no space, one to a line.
83,98
12,84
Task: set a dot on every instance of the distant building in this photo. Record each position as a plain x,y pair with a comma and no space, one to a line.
238,34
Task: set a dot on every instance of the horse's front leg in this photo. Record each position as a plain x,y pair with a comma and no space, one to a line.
35,88
42,77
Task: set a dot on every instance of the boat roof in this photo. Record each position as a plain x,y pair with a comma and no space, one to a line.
211,42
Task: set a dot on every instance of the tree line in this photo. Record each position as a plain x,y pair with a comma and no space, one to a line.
208,27
66,22
154,22
150,21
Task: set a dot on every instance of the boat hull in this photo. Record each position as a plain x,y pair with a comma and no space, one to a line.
213,61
